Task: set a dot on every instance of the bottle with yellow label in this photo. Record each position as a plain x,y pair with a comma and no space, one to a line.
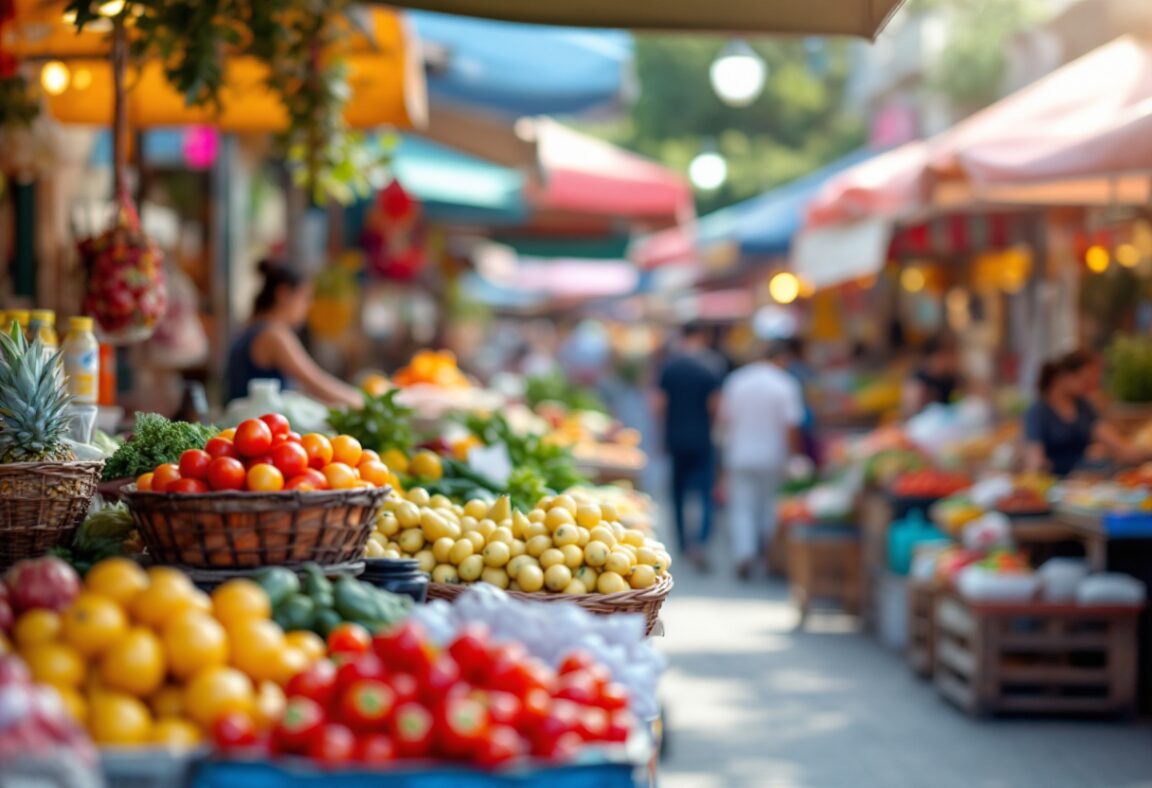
82,361
43,325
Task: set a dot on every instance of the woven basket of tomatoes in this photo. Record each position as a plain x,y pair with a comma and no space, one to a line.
260,495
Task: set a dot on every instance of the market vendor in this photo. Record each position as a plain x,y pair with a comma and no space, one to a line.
936,380
269,348
1062,424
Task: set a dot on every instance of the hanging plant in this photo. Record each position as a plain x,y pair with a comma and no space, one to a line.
296,41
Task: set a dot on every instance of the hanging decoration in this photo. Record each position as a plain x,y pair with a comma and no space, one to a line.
394,236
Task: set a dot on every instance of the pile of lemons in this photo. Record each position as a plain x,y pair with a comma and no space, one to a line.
566,544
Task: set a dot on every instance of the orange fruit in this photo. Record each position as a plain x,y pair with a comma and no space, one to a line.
216,691
309,642
269,705
194,641
227,434
319,449
168,594
240,600
289,662
118,719
135,664
168,701
426,465
347,450
374,472
176,733
255,646
339,475
55,664
36,627
119,579
144,482
265,478
396,460
75,703
92,624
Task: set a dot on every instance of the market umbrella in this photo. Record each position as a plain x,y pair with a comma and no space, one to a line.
809,17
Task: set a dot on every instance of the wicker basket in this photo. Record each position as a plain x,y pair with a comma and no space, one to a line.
226,530
42,504
647,601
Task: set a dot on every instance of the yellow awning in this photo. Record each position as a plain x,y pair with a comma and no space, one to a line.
385,73
807,17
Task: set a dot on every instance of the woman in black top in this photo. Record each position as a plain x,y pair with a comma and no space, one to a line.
936,380
1062,424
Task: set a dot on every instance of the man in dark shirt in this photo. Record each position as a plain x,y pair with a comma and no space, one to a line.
689,383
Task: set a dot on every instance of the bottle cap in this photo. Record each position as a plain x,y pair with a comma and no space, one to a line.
44,316
80,323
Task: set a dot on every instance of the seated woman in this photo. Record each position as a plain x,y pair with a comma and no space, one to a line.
1062,424
936,380
269,347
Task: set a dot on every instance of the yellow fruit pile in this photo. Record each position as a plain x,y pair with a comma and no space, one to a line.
567,544
144,657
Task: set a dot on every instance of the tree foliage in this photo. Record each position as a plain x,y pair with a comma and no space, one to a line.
798,123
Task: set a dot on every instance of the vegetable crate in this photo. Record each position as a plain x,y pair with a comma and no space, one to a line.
1037,658
824,563
921,649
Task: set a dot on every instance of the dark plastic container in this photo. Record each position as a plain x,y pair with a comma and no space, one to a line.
398,575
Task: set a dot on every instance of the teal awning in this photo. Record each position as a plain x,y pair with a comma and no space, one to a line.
456,186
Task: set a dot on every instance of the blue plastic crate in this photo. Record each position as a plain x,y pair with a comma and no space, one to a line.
1128,525
264,774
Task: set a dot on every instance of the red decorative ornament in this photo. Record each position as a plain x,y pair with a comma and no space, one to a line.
393,237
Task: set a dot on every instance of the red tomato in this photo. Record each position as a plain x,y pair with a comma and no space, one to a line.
375,749
253,438
504,708
319,449
441,678
534,709
404,648
302,483
187,486
375,473
462,724
334,745
577,687
164,475
620,725
233,731
519,678
502,745
576,661
349,637
194,464
287,437
367,455
562,720
290,458
367,705
563,748
406,687
265,478
613,697
220,447
302,720
316,682
592,724
359,667
226,473
277,424
412,730
470,650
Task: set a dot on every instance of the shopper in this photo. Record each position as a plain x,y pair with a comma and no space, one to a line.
761,411
1062,424
269,347
936,380
688,387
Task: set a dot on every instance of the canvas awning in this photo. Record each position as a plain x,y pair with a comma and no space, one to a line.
863,18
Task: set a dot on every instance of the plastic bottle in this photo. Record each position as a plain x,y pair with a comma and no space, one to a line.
43,325
82,361
107,375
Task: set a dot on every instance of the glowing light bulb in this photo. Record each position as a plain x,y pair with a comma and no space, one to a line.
54,77
784,288
708,171
1128,255
913,280
81,79
738,74
1096,258
111,8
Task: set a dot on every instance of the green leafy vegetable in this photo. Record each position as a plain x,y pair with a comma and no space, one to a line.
556,387
381,424
101,535
531,455
155,440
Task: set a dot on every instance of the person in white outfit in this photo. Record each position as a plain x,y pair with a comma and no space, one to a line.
761,410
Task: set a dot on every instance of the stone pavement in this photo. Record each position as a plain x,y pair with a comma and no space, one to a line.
751,703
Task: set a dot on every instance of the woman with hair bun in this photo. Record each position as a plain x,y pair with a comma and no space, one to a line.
1062,423
269,347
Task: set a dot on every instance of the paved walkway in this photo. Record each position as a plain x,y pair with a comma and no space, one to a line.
751,703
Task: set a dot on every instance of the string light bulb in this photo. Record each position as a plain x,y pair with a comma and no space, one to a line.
54,77
784,288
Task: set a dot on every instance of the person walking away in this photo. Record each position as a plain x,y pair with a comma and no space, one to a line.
688,387
761,411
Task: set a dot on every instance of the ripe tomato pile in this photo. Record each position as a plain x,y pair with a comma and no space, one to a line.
930,483
396,696
264,455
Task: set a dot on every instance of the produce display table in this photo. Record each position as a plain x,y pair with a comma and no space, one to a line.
1036,657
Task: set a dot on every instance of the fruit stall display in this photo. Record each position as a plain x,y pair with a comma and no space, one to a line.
45,490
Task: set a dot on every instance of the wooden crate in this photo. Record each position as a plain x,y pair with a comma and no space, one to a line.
1036,658
921,649
825,566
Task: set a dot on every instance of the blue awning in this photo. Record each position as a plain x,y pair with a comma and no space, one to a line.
522,69
766,225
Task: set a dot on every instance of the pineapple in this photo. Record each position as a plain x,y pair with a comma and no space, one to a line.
33,402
